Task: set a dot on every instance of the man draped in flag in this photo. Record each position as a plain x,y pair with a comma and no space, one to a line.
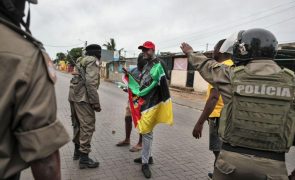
136,73
150,102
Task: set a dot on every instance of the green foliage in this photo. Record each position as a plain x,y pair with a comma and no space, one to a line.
60,56
111,46
74,54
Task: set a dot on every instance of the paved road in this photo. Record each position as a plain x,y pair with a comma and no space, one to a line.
176,154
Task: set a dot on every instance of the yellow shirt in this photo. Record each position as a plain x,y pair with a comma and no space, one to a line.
219,105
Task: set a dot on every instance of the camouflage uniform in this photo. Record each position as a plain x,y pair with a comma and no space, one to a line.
82,96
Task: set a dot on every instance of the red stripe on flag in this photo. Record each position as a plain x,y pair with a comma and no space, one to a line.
134,107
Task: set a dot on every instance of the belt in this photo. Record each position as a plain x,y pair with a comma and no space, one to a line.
257,153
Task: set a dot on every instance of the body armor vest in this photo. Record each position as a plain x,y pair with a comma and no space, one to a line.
261,113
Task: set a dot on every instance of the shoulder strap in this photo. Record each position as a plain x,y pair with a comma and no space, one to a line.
26,35
290,72
239,68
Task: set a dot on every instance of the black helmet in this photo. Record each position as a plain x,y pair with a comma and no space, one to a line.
93,50
254,44
14,11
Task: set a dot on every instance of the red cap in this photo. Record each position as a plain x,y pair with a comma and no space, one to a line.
147,45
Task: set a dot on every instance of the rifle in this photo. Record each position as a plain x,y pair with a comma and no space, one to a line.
80,70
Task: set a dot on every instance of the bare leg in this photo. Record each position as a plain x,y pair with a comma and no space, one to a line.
128,129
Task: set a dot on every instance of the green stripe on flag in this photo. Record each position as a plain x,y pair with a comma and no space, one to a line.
156,72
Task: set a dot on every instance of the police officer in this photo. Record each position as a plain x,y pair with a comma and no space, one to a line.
30,134
257,124
84,102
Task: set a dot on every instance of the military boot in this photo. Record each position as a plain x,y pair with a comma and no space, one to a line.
86,162
76,155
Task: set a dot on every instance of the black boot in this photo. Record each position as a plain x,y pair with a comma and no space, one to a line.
210,175
139,160
86,162
76,152
146,171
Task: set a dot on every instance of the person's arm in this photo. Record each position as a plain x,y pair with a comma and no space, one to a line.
38,132
47,168
91,80
208,109
211,71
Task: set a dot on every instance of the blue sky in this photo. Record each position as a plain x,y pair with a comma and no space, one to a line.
65,24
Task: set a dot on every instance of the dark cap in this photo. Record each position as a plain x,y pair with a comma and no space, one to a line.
147,45
93,47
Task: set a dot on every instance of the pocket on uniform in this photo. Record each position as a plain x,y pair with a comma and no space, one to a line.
78,87
277,177
224,167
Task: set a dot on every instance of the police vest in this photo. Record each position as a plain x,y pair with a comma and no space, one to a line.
261,113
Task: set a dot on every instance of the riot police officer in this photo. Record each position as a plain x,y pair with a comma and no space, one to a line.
30,134
84,102
258,120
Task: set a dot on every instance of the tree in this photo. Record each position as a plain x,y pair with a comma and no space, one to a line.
111,46
74,54
60,56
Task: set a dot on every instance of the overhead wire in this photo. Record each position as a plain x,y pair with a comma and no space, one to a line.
207,34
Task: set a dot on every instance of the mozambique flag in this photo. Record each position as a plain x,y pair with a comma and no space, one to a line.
150,104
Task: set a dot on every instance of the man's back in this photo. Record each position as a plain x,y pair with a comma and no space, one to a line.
257,121
29,130
85,88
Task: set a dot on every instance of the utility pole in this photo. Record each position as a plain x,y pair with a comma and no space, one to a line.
207,46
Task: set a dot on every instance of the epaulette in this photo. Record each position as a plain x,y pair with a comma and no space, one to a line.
288,71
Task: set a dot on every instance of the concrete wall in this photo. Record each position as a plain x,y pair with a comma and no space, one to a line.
115,76
178,78
200,85
102,72
102,69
